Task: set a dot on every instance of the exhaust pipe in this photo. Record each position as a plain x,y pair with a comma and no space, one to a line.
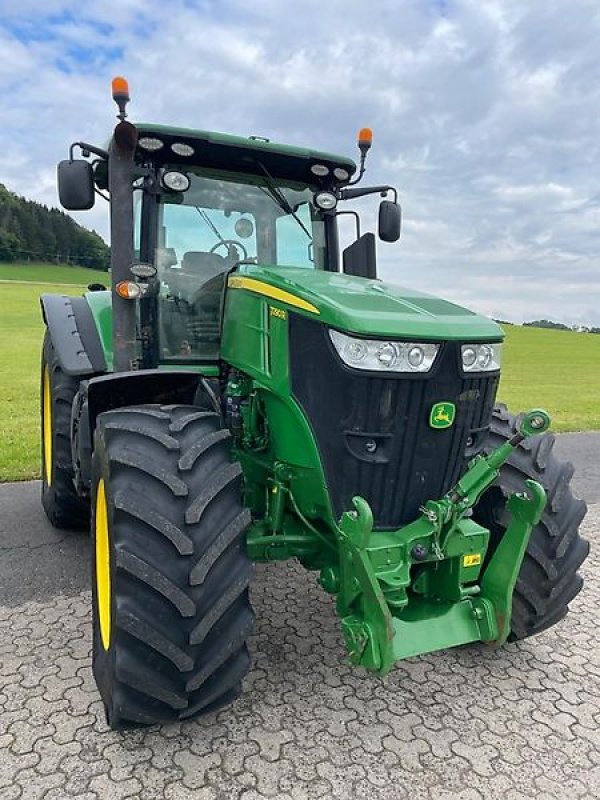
120,178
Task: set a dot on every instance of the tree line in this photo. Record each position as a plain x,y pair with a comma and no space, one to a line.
560,326
30,231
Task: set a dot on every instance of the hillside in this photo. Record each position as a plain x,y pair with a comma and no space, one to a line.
30,231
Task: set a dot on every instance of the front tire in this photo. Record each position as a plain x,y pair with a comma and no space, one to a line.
548,580
63,506
171,612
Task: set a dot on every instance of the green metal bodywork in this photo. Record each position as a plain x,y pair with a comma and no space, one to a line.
101,307
373,307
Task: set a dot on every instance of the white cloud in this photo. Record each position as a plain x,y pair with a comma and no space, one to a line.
485,116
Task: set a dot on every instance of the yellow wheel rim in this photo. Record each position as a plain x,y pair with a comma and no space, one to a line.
102,565
47,433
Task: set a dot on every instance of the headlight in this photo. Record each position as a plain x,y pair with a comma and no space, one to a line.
176,181
481,357
325,200
383,356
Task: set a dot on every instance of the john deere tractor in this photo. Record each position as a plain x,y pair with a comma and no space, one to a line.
244,392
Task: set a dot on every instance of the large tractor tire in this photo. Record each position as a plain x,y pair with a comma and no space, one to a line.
63,506
171,611
548,579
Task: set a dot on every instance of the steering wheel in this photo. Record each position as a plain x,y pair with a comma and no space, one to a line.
226,243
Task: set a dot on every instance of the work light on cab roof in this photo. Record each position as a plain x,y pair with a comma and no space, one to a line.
250,390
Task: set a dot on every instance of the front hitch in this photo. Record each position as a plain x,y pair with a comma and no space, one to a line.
419,589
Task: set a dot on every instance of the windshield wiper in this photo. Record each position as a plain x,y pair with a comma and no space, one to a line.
210,224
276,194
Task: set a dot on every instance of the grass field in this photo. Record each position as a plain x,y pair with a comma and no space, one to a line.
51,273
21,331
557,370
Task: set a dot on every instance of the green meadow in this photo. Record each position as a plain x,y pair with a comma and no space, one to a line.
51,273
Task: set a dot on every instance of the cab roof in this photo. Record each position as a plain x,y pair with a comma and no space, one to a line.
223,151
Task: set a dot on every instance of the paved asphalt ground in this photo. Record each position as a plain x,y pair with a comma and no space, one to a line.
522,722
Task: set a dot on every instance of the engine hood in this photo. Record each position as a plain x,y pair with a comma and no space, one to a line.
366,307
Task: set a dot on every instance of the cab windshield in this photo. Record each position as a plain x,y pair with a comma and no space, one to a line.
216,224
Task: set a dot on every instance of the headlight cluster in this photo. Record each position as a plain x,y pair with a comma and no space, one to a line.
384,356
481,357
388,356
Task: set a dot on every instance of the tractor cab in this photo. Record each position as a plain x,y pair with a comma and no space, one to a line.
204,204
207,203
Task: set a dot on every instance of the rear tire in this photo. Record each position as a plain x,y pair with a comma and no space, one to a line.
63,506
548,579
172,618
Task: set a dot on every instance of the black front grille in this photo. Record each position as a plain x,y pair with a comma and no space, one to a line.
373,432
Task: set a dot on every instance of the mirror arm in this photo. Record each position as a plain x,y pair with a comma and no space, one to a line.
86,149
350,194
352,214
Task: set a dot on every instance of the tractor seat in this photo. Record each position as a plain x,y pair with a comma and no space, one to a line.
197,269
204,275
202,265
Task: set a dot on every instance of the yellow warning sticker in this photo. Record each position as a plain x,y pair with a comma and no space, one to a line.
472,560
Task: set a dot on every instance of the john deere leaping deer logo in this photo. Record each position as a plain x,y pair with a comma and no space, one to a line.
442,415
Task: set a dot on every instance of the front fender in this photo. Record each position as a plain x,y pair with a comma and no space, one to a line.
74,335
122,390
139,387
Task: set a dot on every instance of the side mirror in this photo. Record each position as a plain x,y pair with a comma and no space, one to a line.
390,221
76,185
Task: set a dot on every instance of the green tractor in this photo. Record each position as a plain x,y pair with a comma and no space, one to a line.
247,392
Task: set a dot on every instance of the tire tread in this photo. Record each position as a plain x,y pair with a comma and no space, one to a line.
62,505
182,612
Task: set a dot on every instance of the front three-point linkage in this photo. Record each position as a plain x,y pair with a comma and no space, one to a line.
481,473
372,599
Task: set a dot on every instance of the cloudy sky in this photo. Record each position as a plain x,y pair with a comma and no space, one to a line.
486,116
